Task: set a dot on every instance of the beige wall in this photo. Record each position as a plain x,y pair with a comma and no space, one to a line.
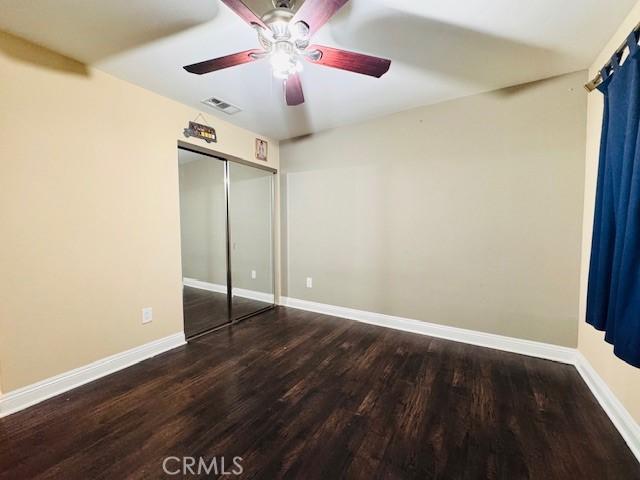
467,213
89,212
623,379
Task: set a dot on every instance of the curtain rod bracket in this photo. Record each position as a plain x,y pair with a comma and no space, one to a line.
593,84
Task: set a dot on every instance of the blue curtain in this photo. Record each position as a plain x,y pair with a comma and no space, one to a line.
613,298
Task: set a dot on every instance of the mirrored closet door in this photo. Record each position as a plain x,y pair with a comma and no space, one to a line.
251,240
203,234
226,229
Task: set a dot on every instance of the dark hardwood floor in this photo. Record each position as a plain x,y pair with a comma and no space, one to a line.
204,310
302,395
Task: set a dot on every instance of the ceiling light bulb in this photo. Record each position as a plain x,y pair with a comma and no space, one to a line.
280,60
283,60
281,64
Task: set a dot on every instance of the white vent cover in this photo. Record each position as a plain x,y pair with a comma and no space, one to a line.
221,105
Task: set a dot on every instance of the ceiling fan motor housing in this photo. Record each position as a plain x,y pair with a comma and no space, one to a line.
288,4
282,30
278,22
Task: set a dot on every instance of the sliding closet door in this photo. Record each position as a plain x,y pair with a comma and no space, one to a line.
203,228
251,239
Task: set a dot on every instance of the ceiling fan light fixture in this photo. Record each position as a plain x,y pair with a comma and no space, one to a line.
299,32
284,36
284,60
280,29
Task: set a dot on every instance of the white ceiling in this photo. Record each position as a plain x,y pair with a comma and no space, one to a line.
440,50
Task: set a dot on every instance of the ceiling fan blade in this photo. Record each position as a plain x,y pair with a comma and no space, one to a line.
244,12
351,61
223,62
293,90
315,13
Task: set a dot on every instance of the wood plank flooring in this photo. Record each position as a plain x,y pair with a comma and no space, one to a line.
299,395
204,310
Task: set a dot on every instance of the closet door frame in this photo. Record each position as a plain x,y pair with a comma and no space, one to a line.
182,145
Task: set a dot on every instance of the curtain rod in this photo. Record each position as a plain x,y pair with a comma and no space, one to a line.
593,84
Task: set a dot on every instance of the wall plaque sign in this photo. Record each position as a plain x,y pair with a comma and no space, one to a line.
204,132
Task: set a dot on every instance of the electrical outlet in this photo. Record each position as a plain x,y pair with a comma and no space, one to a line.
253,274
309,282
147,315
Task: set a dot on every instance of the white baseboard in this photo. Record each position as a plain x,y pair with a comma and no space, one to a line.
236,292
211,287
22,398
619,415
498,342
254,295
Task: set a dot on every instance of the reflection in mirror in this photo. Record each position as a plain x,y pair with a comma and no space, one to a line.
250,221
203,236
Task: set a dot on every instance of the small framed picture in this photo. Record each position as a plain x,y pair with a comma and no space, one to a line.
261,149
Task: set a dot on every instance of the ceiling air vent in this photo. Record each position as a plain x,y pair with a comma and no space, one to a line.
221,105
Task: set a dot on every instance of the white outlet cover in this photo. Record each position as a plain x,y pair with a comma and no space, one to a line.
309,282
147,315
253,274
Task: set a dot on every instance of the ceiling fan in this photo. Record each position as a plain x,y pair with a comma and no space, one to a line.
285,40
